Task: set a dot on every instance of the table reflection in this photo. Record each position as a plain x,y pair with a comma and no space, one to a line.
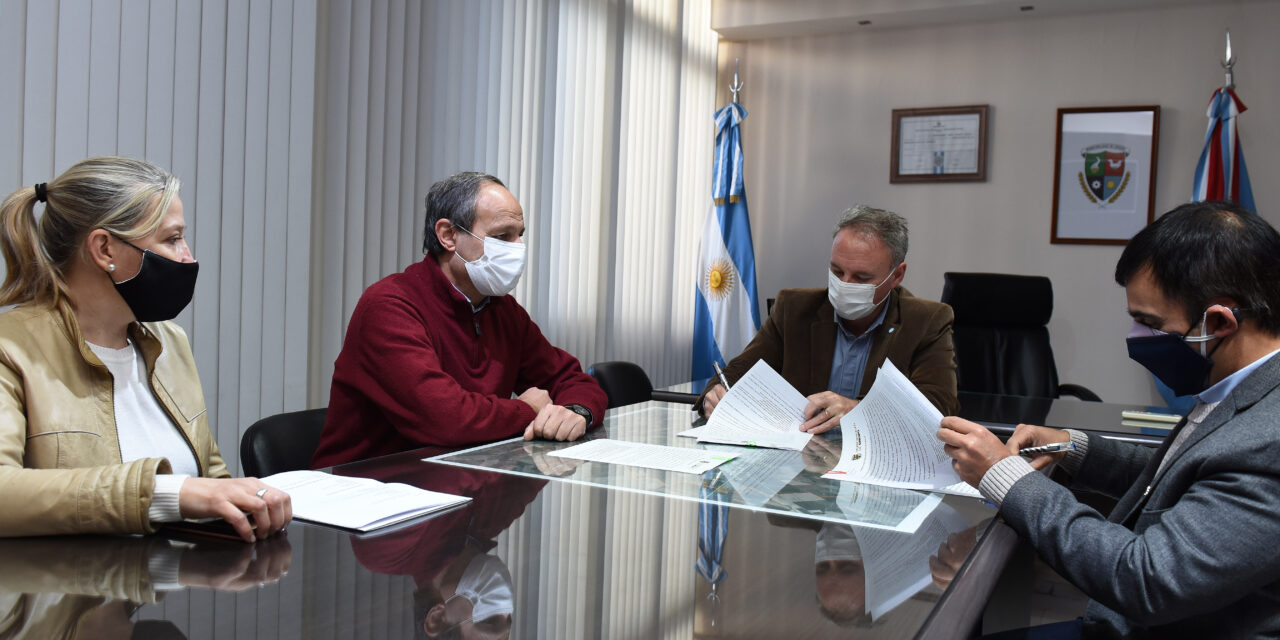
462,588
93,587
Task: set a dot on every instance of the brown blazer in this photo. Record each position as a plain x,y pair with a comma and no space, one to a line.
799,339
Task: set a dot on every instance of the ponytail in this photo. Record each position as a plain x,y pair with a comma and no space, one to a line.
30,276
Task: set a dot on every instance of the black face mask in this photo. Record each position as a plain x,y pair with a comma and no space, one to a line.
161,289
1169,358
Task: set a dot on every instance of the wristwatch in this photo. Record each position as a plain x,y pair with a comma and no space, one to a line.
582,411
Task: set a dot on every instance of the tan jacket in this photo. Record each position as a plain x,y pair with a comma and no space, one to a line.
60,466
799,339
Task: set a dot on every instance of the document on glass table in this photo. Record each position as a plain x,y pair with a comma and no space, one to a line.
891,439
761,410
648,456
361,504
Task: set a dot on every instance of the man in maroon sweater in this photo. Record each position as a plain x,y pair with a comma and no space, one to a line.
433,355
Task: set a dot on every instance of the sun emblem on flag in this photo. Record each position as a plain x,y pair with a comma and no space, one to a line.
720,278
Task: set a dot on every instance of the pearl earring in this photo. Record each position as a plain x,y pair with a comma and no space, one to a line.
111,267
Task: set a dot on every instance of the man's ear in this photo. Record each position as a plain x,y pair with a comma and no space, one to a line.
899,274
1222,320
446,234
434,623
100,249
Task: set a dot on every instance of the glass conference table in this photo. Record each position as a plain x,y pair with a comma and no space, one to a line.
761,547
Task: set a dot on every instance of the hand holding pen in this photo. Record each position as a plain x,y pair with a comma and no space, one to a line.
1043,445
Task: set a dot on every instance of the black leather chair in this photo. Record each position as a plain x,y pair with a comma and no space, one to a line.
283,442
1001,335
626,383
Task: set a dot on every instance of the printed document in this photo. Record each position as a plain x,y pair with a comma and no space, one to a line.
761,410
648,456
896,566
362,504
891,439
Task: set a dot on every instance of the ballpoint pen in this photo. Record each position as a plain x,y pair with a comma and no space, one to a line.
720,372
1055,447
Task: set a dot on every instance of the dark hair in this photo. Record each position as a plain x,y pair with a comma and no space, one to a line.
1205,250
453,199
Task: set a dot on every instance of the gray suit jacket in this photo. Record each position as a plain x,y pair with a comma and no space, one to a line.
1189,552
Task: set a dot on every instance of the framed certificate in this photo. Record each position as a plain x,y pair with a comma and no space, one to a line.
942,144
1104,173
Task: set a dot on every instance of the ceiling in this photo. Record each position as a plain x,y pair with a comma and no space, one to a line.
757,19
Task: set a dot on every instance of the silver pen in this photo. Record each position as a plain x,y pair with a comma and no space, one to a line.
720,372
1055,447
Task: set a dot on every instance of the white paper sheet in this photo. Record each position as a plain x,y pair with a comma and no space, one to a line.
879,507
891,438
759,474
761,410
648,456
362,504
896,565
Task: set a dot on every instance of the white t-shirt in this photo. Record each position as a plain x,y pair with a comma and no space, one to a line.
145,430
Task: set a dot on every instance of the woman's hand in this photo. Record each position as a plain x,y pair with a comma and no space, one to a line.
234,500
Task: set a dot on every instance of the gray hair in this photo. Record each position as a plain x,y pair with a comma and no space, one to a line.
888,226
453,199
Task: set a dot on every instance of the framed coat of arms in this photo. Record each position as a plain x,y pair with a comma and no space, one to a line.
1104,173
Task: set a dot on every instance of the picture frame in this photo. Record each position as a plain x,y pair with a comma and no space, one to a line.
939,144
1104,173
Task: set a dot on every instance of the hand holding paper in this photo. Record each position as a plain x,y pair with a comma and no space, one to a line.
890,439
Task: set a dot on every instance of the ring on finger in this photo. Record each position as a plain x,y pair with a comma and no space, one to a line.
261,492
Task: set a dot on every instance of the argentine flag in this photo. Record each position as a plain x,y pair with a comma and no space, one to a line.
727,310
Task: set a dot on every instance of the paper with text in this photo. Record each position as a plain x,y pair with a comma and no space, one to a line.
648,456
362,504
896,566
891,439
761,410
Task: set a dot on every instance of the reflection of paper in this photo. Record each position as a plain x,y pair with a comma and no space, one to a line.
900,510
759,474
890,438
896,565
648,456
356,503
761,410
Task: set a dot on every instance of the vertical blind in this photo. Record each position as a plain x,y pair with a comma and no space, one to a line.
222,94
596,114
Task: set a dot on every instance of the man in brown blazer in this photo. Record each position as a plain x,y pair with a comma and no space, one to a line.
828,343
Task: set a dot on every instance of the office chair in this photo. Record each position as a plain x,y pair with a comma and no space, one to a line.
626,383
1001,336
283,442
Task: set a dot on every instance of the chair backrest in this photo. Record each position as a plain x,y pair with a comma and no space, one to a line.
624,382
283,442
1000,333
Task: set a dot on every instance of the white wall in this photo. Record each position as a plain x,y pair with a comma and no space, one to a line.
817,141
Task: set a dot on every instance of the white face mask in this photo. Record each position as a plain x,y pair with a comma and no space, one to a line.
486,584
853,301
497,271
836,542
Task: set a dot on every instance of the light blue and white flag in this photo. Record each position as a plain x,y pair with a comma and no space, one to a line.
727,310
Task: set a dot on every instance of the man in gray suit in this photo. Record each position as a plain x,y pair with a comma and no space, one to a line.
1187,551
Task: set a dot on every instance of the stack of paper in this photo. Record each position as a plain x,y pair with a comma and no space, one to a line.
761,410
360,504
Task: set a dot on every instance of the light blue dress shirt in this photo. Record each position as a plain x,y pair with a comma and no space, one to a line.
850,358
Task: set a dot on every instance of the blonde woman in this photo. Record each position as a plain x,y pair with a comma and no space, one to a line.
103,426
